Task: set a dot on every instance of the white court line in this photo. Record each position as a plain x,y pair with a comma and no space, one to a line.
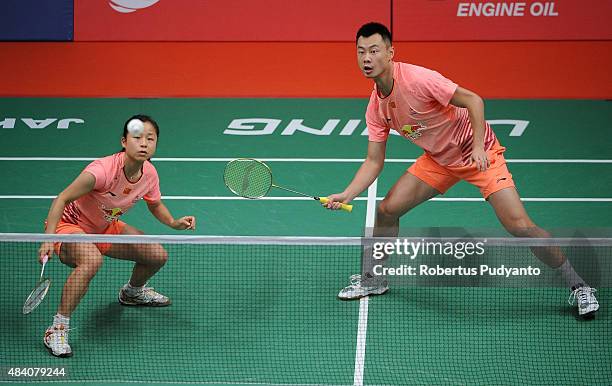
153,382
329,160
371,208
362,325
362,328
233,198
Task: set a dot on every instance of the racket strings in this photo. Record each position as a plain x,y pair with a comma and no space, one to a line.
36,296
248,178
247,174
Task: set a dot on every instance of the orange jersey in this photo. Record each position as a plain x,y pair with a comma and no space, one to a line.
418,109
113,195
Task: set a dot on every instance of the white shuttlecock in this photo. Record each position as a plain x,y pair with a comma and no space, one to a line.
135,127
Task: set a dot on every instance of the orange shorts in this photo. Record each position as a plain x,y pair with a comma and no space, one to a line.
65,228
441,178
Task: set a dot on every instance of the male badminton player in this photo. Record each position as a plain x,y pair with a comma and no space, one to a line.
93,203
447,121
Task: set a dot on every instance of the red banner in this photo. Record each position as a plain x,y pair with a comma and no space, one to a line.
519,70
449,20
225,20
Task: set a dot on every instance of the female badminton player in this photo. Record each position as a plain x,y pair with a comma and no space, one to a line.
93,203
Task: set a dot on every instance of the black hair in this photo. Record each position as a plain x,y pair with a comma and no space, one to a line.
373,28
143,118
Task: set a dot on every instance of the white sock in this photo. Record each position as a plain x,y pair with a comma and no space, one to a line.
572,279
60,319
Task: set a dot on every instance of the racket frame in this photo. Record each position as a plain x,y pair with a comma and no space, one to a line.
41,288
346,207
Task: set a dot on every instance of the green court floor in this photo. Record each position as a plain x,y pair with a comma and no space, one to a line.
271,316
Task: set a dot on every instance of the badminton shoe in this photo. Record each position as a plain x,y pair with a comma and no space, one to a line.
358,289
585,298
144,296
56,341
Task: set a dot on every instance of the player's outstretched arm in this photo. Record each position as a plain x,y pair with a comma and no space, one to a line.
161,212
367,173
82,185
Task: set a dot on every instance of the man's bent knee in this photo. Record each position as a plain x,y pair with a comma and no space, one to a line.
388,210
526,229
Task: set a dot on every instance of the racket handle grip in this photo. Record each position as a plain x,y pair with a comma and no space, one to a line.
344,207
